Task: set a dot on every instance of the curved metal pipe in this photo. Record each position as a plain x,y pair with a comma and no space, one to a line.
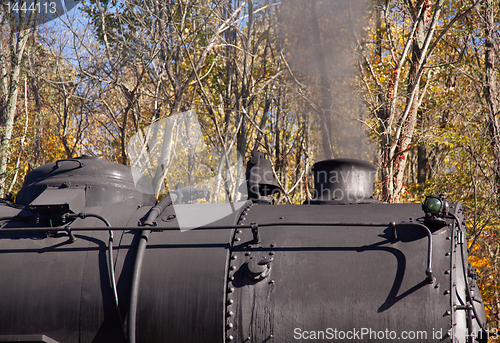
111,268
139,257
134,289
157,210
428,271
467,287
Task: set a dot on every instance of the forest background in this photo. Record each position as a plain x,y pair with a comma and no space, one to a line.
410,85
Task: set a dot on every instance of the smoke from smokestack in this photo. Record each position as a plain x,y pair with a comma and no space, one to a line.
321,41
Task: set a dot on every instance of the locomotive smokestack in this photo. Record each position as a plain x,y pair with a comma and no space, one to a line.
343,181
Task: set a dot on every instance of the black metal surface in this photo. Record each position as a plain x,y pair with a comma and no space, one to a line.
64,288
182,283
257,275
348,278
59,200
27,338
41,287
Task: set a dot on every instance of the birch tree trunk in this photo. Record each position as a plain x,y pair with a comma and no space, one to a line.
11,56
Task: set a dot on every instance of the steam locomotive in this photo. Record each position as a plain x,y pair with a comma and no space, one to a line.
87,256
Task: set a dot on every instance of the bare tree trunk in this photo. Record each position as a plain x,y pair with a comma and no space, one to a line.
408,127
491,88
10,66
397,136
492,98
